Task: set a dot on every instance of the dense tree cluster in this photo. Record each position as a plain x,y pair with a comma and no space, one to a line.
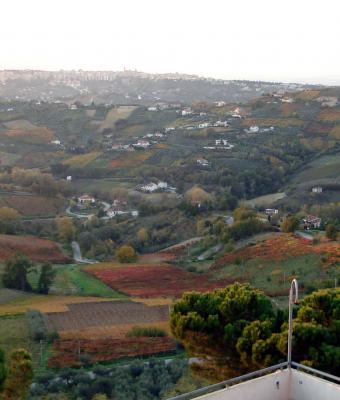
138,381
236,329
16,272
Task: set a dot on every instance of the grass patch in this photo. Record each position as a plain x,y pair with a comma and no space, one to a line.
71,280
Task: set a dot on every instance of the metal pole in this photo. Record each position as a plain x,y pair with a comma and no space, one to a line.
293,293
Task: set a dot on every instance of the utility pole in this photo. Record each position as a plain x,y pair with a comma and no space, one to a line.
293,299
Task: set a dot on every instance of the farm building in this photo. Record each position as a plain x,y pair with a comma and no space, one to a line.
317,189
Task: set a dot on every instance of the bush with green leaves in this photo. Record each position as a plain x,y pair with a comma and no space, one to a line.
150,331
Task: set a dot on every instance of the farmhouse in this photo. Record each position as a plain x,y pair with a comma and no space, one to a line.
56,142
203,162
316,189
271,211
152,108
287,100
69,178
311,222
86,199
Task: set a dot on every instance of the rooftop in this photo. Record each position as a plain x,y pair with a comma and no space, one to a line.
278,382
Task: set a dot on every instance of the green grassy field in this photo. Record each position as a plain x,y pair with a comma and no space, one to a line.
326,167
72,280
274,276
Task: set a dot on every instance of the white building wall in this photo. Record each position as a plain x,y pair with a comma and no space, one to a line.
308,387
281,385
263,388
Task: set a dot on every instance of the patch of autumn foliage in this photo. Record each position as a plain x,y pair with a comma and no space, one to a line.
281,248
329,115
67,352
38,250
152,280
131,159
34,134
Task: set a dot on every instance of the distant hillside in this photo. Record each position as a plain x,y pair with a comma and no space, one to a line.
130,87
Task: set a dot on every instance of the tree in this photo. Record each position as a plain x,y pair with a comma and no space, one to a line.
331,231
46,277
241,213
20,374
9,220
143,236
66,229
126,254
198,196
2,369
290,224
210,325
15,273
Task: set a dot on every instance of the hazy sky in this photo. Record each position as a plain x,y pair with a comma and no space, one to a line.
286,40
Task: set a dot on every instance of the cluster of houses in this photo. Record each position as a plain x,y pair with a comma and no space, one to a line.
156,187
309,222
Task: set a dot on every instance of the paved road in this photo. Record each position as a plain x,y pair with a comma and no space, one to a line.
77,255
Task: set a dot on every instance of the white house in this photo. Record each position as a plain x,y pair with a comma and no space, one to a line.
149,188
186,111
203,162
221,123
204,125
271,211
73,107
69,178
135,213
254,129
56,142
142,144
317,189
152,108
287,100
220,103
162,185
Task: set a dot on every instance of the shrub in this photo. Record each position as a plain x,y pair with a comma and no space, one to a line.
150,331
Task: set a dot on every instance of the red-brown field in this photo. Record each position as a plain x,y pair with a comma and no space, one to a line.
131,159
38,250
282,247
105,319
155,280
67,352
318,128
